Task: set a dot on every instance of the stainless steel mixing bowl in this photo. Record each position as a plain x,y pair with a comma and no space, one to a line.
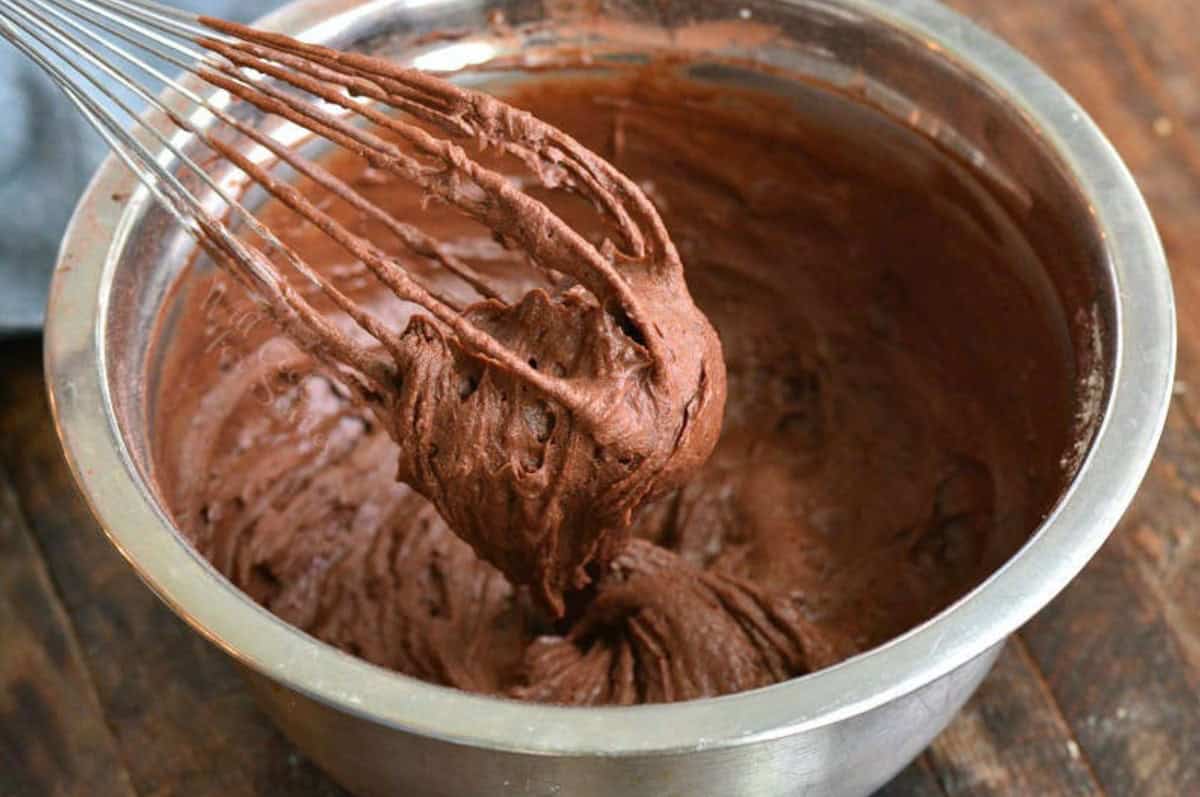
844,730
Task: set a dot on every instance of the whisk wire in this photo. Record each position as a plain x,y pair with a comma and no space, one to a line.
79,44
181,195
412,238
165,186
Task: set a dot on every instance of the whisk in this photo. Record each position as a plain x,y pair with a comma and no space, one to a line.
535,426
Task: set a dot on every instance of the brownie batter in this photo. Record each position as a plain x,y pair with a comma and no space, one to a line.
536,424
898,406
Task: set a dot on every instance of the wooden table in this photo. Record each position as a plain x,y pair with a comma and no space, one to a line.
104,692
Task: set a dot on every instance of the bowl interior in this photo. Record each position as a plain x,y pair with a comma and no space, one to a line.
890,63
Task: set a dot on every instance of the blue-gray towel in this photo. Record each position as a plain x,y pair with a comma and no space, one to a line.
47,155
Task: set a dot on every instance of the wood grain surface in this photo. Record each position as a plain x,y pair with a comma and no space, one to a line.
104,692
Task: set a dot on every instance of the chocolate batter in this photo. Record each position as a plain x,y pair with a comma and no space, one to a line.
538,424
899,401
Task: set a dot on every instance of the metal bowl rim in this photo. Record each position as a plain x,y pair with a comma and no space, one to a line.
1107,480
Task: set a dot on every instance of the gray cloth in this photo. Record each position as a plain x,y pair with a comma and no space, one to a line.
47,155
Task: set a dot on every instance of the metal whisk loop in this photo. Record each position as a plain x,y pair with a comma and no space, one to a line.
90,48
243,261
